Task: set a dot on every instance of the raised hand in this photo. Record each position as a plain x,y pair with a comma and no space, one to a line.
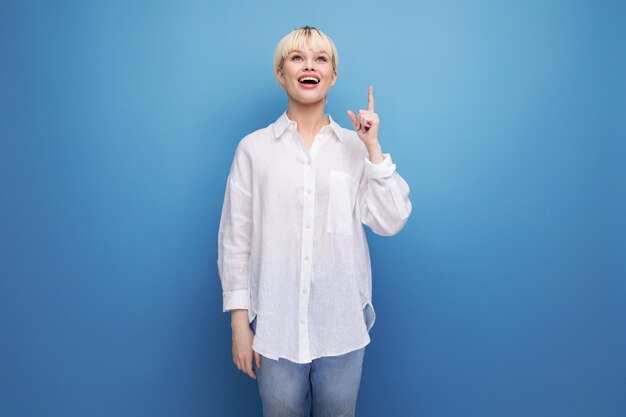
366,122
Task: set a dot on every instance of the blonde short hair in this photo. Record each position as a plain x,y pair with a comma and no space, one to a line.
301,37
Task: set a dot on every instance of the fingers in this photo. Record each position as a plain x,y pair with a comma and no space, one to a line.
244,364
248,367
257,358
239,362
354,120
364,120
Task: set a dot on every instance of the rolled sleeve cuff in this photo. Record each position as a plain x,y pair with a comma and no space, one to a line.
383,169
236,299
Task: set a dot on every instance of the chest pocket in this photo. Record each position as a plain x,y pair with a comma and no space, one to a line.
341,202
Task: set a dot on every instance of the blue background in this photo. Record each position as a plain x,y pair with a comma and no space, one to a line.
505,294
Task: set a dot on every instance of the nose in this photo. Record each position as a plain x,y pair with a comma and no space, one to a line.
308,65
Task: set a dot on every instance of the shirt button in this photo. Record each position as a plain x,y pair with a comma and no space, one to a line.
308,191
302,321
308,226
304,290
306,258
307,163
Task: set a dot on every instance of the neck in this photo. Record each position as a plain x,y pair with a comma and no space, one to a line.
309,118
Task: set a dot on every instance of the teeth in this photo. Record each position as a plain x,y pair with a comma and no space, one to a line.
308,78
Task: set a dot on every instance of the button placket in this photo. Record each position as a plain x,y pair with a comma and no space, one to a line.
305,264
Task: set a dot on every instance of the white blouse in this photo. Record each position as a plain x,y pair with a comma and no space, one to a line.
291,245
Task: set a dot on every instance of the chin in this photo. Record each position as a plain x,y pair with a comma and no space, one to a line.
308,99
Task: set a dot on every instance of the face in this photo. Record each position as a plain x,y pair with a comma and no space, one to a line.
300,64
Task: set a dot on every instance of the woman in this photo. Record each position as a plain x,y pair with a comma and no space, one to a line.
293,257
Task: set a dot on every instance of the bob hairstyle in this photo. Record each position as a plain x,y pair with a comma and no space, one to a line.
301,37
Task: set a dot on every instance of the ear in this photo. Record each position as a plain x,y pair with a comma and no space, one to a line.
335,74
279,75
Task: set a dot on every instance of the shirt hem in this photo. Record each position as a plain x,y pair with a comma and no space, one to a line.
343,352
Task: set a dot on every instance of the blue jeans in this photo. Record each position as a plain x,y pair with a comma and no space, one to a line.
334,382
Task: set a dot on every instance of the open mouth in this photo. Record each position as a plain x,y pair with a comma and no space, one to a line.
308,80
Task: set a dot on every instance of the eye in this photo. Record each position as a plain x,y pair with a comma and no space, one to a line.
323,59
296,57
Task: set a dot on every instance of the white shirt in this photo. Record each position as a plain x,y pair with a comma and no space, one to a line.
292,249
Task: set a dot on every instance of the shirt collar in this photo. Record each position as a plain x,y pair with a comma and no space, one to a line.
283,122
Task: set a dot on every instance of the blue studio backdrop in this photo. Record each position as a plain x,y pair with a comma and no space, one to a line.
504,295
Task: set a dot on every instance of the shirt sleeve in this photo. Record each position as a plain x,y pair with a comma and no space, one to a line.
383,197
234,236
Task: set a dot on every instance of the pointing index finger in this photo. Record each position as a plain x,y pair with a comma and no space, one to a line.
370,99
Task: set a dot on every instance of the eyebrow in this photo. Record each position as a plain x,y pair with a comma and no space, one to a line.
297,50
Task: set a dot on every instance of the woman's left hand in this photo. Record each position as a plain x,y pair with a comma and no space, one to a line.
367,122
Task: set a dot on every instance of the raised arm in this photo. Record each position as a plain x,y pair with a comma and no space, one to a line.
383,195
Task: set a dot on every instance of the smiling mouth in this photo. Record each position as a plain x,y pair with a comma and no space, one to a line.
308,80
